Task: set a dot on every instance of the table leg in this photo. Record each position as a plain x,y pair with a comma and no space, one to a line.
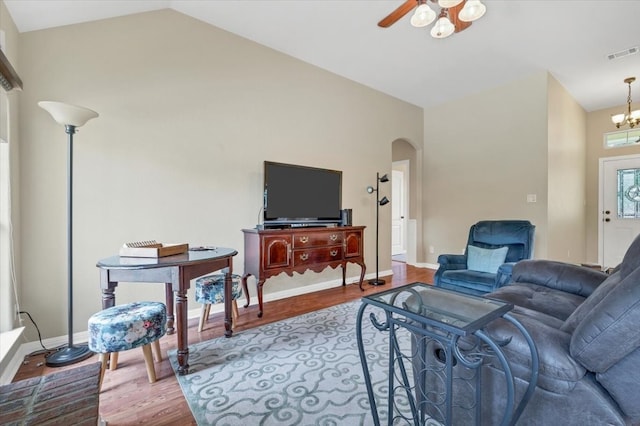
168,288
108,297
228,284
108,290
183,344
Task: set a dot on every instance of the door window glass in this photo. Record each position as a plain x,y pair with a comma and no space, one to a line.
629,193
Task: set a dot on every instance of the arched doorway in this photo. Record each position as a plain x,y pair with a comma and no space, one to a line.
405,216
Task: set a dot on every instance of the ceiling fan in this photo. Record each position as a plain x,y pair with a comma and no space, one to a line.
454,16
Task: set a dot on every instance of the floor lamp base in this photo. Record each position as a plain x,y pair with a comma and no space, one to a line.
377,281
68,355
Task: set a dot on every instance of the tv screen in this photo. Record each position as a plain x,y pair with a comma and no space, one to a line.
302,194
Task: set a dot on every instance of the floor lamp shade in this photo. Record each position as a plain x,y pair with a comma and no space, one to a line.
71,116
379,202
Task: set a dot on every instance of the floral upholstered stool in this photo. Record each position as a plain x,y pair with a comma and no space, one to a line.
124,327
210,289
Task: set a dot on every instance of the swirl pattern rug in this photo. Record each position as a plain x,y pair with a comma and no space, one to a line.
304,370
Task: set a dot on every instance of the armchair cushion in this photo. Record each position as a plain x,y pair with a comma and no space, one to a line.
485,260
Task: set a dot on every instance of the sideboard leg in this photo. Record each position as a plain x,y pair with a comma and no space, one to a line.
363,269
259,285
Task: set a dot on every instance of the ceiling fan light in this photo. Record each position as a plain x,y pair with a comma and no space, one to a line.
423,16
449,3
472,10
443,28
618,119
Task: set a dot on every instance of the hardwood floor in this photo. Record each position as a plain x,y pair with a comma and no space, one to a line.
127,398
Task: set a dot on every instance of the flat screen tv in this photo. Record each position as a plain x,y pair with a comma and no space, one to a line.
300,195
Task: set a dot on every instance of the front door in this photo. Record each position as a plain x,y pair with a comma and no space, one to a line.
620,207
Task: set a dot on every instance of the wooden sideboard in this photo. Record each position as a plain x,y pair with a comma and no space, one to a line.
270,252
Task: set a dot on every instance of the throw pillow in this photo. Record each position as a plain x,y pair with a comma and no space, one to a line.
485,260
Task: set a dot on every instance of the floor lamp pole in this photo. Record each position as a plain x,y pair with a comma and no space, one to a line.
377,280
69,354
70,116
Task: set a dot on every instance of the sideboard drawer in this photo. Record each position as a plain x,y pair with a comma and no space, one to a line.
317,239
317,255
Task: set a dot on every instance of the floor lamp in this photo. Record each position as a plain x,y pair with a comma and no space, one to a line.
379,202
70,116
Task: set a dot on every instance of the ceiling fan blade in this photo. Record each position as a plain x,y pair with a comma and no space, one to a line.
402,10
453,17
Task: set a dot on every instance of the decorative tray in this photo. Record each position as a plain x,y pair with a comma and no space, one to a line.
152,249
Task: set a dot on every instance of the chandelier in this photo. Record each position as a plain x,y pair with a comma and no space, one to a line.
631,118
450,11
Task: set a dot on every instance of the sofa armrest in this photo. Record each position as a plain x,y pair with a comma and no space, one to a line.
558,275
558,371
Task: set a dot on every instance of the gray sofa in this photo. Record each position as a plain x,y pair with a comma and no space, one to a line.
586,326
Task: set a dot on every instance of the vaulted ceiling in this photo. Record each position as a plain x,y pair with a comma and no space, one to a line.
569,38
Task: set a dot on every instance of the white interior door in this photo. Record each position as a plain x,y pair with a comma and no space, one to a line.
619,207
399,209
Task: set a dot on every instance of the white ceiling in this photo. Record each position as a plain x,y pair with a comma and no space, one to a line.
569,38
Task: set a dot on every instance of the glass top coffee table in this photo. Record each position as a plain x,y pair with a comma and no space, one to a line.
436,338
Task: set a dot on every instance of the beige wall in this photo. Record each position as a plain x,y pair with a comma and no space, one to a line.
188,114
482,156
10,210
599,123
566,172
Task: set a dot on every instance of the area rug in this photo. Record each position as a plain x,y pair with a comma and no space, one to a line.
304,370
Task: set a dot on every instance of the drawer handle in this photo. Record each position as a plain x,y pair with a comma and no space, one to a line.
333,253
333,237
304,239
304,256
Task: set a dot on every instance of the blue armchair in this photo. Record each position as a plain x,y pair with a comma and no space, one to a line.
496,245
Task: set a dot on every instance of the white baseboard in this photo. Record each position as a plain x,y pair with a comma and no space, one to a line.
433,266
83,336
195,313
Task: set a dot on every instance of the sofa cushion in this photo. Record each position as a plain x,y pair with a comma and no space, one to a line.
631,260
558,275
621,380
590,303
609,332
485,260
549,301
